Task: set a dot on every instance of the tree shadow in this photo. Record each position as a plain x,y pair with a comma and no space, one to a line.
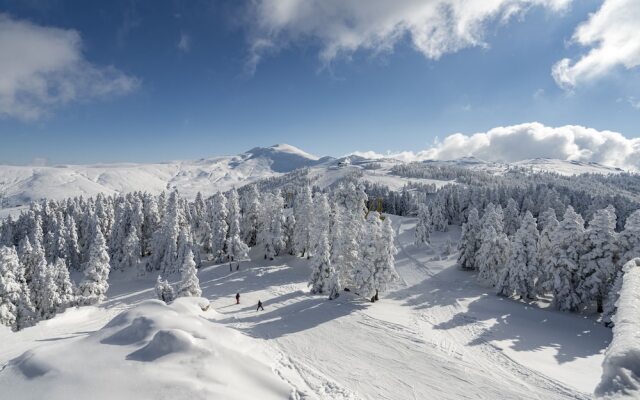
299,312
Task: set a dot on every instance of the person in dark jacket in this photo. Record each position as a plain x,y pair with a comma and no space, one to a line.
237,298
260,306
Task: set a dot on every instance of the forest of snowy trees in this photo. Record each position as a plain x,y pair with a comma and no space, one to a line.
572,263
50,244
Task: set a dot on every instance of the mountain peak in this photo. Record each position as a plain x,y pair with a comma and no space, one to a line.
284,157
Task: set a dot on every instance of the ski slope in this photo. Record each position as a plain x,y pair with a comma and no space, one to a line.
437,334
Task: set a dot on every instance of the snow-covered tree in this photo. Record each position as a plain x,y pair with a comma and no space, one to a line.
546,257
252,208
567,249
511,217
131,252
235,248
384,272
219,227
16,309
71,240
321,269
519,276
93,288
492,255
164,290
469,241
65,290
597,261
271,231
165,243
302,211
423,226
189,283
629,239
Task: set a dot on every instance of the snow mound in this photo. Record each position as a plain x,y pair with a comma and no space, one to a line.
151,351
621,366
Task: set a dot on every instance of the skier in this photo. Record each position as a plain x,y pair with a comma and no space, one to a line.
237,298
376,296
260,306
230,267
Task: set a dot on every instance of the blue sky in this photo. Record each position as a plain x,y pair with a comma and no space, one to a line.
180,84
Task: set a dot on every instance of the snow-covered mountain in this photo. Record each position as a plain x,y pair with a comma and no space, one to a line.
21,184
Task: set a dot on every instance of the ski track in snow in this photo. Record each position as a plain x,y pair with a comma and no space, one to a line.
419,341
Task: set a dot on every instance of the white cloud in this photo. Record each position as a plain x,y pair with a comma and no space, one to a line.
435,27
184,45
612,35
42,68
532,140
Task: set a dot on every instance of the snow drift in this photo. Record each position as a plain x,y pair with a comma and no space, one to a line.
621,366
152,351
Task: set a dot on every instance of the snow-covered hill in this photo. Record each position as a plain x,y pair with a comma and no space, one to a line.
21,184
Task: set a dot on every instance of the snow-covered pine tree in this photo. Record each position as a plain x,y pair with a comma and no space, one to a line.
93,288
131,252
546,258
511,217
73,248
519,276
629,239
303,213
493,255
65,289
16,309
364,269
321,269
469,241
567,249
189,283
384,271
597,261
423,226
165,243
252,208
164,290
289,228
236,249
270,234
219,227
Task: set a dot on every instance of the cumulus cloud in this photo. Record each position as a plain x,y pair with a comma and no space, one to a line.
532,140
42,68
612,35
435,27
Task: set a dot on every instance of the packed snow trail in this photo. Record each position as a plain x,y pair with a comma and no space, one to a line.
438,334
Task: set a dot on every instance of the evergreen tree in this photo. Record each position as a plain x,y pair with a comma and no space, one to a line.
93,288
16,309
164,290
165,243
251,211
384,272
546,257
302,211
73,248
493,254
520,273
235,248
321,269
423,226
189,283
629,239
597,262
511,217
567,248
219,227
65,290
469,241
